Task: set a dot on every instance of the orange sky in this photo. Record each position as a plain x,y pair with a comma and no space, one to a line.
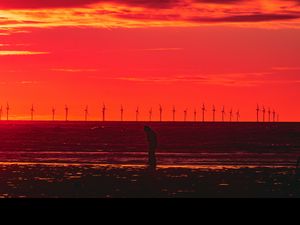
235,53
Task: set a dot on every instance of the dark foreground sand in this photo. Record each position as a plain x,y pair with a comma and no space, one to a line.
95,181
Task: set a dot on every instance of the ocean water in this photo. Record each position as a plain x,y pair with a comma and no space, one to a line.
124,143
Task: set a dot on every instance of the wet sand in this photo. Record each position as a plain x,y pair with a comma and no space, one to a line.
29,180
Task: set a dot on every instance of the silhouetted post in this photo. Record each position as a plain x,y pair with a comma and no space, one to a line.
86,113
137,112
269,115
257,113
152,145
238,116
122,113
7,111
203,113
214,113
160,113
53,113
150,114
230,115
185,115
274,114
32,111
1,111
223,114
174,113
67,112
103,112
195,115
264,113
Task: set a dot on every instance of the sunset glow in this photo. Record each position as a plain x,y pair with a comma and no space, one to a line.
146,53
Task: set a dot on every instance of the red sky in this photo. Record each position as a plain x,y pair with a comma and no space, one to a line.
235,53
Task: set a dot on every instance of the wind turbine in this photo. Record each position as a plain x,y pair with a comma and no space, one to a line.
277,117
195,115
1,111
269,114
185,115
103,112
160,113
264,113
257,113
223,114
67,112
7,111
150,114
230,114
274,114
122,113
53,113
174,113
32,111
137,112
86,113
214,113
203,112
238,116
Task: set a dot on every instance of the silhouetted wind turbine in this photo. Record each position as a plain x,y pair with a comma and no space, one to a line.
32,111
86,113
264,113
230,115
277,117
1,111
7,111
195,115
53,113
150,114
223,114
103,112
174,113
67,112
257,113
185,115
137,112
214,113
269,114
274,114
238,116
160,113
203,112
122,113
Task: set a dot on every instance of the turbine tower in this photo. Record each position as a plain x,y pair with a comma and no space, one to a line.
230,114
277,117
203,112
174,113
223,114
185,115
257,113
137,112
1,111
53,113
32,112
160,113
122,113
150,114
214,113
86,113
7,111
67,112
269,114
264,113
103,112
274,114
195,115
238,116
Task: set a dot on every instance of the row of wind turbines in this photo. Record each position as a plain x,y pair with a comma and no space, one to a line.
233,115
